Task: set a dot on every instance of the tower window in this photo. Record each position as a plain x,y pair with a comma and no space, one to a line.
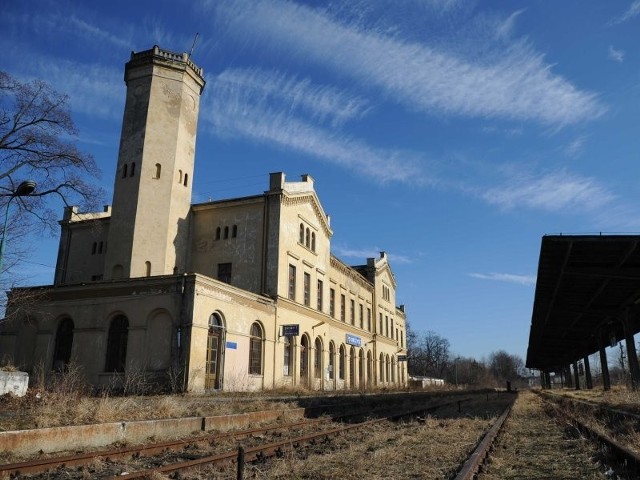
234,231
100,247
224,272
147,269
307,289
301,239
133,170
179,176
307,238
94,248
292,282
124,171
226,232
158,170
186,179
218,230
313,241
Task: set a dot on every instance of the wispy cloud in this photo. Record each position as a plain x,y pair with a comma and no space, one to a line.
364,253
516,85
632,11
274,111
318,101
617,55
525,280
556,191
575,147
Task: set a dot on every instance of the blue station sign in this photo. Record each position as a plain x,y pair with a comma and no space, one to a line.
353,340
290,330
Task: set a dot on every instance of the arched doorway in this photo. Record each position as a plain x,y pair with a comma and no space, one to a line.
64,342
318,363
361,369
214,367
304,360
352,367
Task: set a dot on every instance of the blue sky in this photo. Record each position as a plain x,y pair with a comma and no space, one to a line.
451,134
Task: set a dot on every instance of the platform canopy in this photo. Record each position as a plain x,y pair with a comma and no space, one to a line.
586,286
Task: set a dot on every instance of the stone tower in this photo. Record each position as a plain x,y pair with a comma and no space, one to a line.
148,231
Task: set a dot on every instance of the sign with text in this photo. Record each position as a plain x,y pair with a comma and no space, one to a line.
290,330
353,340
402,358
232,345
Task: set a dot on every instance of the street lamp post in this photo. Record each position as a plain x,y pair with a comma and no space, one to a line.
25,189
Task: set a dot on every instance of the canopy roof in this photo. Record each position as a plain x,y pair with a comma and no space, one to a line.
586,285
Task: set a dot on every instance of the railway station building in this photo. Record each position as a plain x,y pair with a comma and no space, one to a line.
239,294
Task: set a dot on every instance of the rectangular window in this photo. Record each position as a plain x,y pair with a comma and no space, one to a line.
369,319
224,272
386,324
343,300
292,282
307,289
319,294
332,303
381,331
352,312
361,316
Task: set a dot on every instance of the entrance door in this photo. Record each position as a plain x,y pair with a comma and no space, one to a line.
215,338
304,361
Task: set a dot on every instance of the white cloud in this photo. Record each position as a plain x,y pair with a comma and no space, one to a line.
557,191
617,55
239,109
517,85
506,277
632,11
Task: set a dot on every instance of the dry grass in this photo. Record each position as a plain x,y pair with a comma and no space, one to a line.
535,446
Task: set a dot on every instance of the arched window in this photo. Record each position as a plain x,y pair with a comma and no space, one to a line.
288,356
301,239
234,231
313,241
218,230
226,232
186,179
133,169
332,359
393,369
64,342
317,358
307,238
255,350
158,171
147,269
124,171
341,363
117,344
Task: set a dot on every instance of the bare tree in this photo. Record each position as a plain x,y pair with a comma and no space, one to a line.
506,367
428,353
37,137
37,143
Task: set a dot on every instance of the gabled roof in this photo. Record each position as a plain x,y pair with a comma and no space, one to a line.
585,285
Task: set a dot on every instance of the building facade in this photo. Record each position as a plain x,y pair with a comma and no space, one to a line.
237,294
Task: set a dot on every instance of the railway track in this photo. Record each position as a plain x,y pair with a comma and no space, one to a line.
215,449
617,430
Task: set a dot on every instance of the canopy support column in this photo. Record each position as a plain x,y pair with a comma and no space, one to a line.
587,373
632,356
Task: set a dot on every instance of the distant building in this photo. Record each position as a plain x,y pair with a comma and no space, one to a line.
237,294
